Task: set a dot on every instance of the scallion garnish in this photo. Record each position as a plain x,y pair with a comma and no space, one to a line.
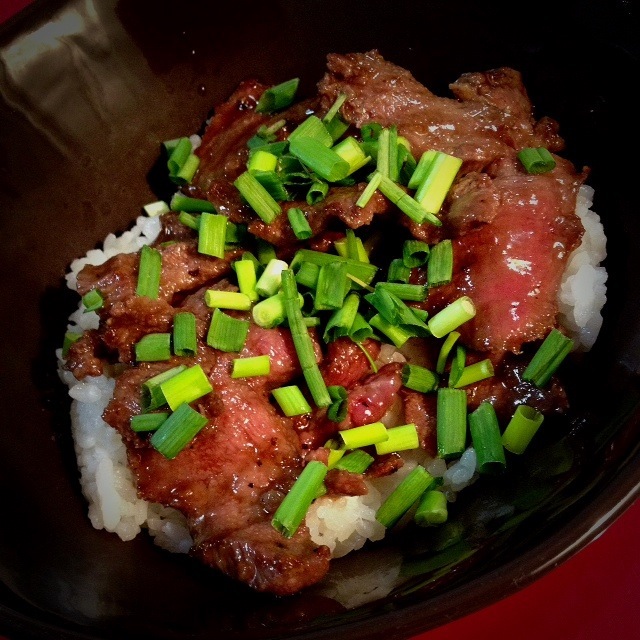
189,220
398,271
148,421
180,202
154,347
152,396
415,253
185,386
432,509
487,442
270,312
419,378
179,151
404,291
269,281
439,177
320,159
536,160
212,232
311,129
251,367
258,198
187,170
364,436
149,273
440,264
70,337
554,349
452,316
360,331
369,190
185,339
247,279
92,300
296,503
227,333
299,223
361,270
408,205
266,252
278,97
420,172
218,299
475,372
337,410
157,208
261,160
445,350
401,438
177,431
457,365
317,192
335,107
396,334
291,400
350,150
341,320
451,422
523,425
357,461
332,286
404,496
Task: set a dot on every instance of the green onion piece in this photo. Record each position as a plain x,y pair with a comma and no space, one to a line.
69,338
185,340
227,333
406,162
266,252
485,435
278,97
273,184
212,234
336,452
189,220
415,253
251,367
369,190
258,198
247,280
187,170
404,291
410,207
404,496
452,316
152,396
216,299
419,378
387,158
451,422
307,275
92,300
364,436
236,233
432,509
153,347
319,158
185,386
148,421
371,131
396,334
296,503
396,312
523,425
336,127
332,286
440,264
153,209
536,160
149,273
177,431
360,331
350,150
457,365
401,438
302,341
180,150
270,312
554,349
299,223
180,202
317,192
398,271
269,281
351,247
445,350
311,129
341,320
261,160
440,176
420,172
475,372
361,270
337,410
357,461
335,107
291,400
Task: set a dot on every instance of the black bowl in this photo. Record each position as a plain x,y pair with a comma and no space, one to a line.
89,90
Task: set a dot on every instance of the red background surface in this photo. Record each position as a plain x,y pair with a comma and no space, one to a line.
592,596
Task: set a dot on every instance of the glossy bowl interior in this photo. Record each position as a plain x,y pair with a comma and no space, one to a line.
89,90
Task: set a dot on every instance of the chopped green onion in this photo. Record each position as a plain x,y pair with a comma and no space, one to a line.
396,334
179,151
251,367
236,233
319,158
457,365
452,316
336,452
445,350
149,273
302,341
261,160
451,422
432,509
350,150
258,198
269,282
387,158
341,320
296,503
92,300
247,280
554,349
369,190
337,410
440,176
212,233
152,396
361,270
523,425
401,438
420,172
177,431
475,372
398,271
273,184
299,223
217,299
185,340
148,421
332,286
278,97
153,209
404,291
419,378
440,264
291,400
360,331
396,312
70,337
536,160
364,436
307,275
185,386
153,347
270,312
180,202
227,333
357,461
311,129
408,205
266,252
187,170
485,435
335,107
404,496
189,220
415,253
317,192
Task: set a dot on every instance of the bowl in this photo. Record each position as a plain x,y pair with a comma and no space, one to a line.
89,91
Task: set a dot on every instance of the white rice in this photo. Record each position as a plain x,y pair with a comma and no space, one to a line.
344,524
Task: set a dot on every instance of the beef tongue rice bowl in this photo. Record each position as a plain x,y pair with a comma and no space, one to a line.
524,249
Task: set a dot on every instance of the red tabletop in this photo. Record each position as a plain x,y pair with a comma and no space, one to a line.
592,596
